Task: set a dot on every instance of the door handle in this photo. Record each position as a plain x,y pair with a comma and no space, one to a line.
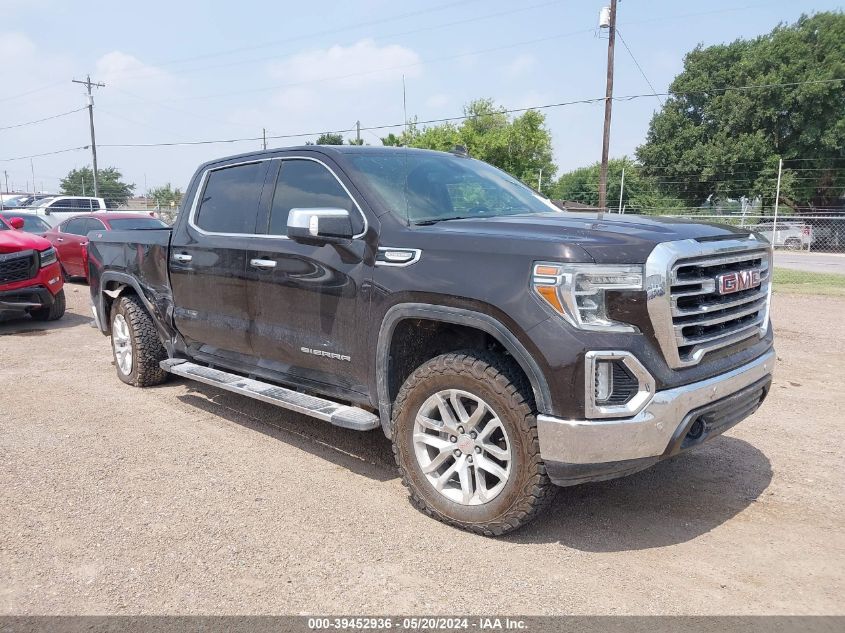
263,264
60,239
182,258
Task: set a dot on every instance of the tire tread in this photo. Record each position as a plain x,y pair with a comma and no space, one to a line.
502,376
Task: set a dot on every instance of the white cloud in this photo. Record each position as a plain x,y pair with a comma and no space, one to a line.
15,45
520,65
361,64
436,101
121,69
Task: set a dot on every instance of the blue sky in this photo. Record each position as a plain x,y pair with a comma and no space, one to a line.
183,71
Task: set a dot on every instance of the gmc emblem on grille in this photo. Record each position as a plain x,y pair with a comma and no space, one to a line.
736,281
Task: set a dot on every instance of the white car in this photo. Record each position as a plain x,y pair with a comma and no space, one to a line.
790,235
59,208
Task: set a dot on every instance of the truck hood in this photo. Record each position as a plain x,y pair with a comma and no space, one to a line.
12,241
607,237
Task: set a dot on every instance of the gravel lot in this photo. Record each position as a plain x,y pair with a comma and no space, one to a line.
185,499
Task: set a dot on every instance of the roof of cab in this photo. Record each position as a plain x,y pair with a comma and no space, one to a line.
327,150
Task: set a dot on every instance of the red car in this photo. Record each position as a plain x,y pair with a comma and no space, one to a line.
30,276
71,236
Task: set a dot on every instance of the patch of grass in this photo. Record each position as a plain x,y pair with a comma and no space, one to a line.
803,282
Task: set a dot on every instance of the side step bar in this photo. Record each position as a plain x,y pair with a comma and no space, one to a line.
326,410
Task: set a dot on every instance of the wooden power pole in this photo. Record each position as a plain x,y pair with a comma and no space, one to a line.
90,84
608,105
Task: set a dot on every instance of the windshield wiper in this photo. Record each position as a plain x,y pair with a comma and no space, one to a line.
436,220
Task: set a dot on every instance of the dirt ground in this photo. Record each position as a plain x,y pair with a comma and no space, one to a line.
185,499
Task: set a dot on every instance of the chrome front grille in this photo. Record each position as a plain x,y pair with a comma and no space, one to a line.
703,319
707,295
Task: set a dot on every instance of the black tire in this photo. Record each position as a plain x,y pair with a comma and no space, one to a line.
494,379
793,244
147,350
55,312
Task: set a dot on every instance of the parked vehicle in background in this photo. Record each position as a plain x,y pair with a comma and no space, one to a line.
33,199
11,201
30,277
59,208
502,345
31,222
70,238
790,235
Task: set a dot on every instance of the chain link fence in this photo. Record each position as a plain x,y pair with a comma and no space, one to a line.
809,250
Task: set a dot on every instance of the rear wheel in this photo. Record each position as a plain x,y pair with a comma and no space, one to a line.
465,440
54,312
136,346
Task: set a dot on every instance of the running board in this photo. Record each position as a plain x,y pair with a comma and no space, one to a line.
326,410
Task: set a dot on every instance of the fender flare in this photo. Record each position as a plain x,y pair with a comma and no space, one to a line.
459,316
124,280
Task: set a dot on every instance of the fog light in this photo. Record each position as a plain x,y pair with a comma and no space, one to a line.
604,380
617,385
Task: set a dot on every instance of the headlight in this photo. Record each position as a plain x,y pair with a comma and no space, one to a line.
48,257
577,292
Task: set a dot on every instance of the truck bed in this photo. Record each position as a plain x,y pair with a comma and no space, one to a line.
137,257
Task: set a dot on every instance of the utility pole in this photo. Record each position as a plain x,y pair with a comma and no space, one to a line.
89,84
264,135
32,171
608,104
358,132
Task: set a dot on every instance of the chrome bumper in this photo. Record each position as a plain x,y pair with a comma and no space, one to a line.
648,433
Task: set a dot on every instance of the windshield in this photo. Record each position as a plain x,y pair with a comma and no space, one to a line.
128,224
423,188
31,223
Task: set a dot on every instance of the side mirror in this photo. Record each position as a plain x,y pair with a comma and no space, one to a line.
16,223
319,226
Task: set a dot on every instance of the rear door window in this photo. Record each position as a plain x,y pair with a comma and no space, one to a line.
229,202
93,224
76,226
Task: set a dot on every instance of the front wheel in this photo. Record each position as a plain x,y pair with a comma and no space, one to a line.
465,441
136,346
53,313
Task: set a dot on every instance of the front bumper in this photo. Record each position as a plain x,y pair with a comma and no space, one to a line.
28,298
587,450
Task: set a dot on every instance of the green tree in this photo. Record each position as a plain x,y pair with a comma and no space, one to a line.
163,196
640,193
328,138
522,146
80,182
710,141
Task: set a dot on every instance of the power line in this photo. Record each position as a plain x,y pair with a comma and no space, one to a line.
469,116
642,72
49,118
31,92
58,151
